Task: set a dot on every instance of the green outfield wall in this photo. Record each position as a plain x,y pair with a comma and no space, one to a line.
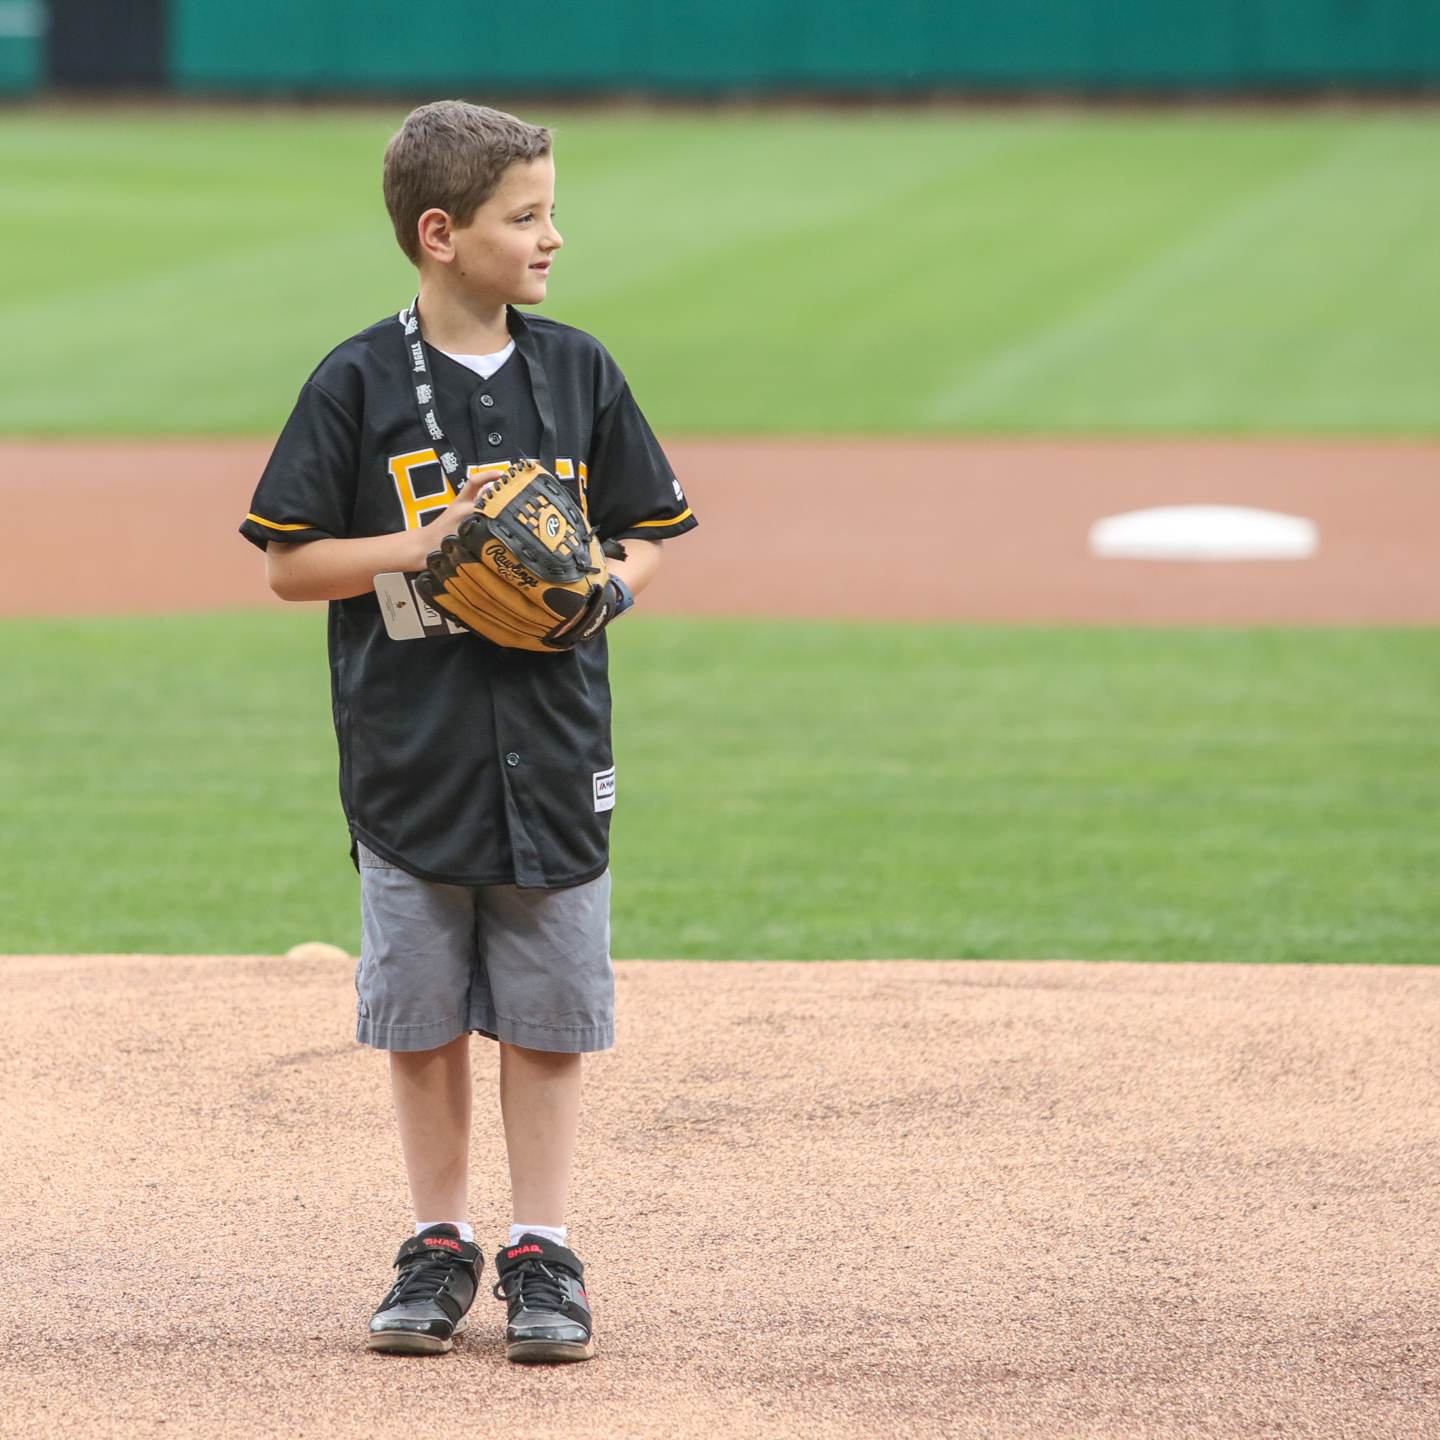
821,45
22,32
710,47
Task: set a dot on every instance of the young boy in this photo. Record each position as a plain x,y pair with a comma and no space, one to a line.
477,780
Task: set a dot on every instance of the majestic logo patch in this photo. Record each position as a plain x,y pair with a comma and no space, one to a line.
679,493
604,783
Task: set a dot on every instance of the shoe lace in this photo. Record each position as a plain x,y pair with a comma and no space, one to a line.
535,1284
422,1278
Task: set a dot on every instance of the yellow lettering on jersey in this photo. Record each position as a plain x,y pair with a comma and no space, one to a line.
416,507
565,470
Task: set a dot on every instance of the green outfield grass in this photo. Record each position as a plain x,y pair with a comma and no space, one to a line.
182,271
784,791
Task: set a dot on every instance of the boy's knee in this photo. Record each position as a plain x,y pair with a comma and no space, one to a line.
558,1058
422,1057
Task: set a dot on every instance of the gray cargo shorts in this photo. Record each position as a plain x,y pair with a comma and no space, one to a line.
529,967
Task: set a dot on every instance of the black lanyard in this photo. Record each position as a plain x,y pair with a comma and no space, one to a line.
427,401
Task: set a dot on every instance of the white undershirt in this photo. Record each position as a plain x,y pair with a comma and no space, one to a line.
484,365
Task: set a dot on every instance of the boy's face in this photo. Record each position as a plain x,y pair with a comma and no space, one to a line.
504,253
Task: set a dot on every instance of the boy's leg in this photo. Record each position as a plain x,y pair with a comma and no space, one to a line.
547,994
413,980
412,983
547,1311
540,1108
432,1094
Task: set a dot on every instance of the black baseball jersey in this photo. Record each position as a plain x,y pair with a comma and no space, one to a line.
461,761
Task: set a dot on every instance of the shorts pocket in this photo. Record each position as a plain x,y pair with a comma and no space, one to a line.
361,1008
369,860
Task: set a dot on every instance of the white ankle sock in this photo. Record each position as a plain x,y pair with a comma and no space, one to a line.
556,1233
466,1229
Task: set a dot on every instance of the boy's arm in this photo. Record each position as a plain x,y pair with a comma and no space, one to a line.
339,569
637,569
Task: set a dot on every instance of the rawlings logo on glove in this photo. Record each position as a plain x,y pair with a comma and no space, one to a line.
508,566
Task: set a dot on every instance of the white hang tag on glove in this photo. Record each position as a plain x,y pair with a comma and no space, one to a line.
408,615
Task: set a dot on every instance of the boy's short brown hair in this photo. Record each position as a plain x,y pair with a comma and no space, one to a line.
450,155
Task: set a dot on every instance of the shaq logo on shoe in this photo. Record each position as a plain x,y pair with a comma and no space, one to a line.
442,1240
524,1250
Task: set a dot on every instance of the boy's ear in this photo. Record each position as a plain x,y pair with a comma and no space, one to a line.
437,234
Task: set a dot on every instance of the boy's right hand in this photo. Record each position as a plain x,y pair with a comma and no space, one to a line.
449,520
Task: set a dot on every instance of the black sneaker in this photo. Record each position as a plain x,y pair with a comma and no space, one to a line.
548,1312
439,1275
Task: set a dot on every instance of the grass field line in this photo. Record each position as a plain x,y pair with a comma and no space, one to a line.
869,791
612,267
1067,341
144,302
140,313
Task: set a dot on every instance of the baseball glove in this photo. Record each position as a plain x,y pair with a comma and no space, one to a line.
525,570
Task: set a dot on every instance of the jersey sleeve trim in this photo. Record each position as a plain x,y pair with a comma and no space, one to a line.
261,532
658,529
685,514
276,525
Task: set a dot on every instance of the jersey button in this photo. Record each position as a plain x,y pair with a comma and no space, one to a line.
494,437
512,758
487,401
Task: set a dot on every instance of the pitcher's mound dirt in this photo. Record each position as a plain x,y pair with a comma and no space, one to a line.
831,1200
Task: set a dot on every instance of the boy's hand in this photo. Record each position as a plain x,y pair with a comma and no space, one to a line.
448,521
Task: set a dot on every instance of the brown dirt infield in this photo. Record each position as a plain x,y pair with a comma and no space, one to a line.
973,530
863,1199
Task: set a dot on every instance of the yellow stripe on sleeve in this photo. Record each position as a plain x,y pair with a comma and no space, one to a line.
275,524
673,520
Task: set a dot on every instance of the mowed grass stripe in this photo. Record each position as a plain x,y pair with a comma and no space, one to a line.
1285,270
788,791
764,272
